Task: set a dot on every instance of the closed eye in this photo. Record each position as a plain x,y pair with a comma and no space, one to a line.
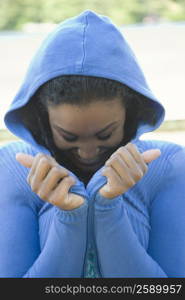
74,139
106,137
70,139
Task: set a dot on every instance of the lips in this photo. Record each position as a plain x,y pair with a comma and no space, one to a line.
89,162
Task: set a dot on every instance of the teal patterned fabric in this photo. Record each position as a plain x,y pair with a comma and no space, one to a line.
91,269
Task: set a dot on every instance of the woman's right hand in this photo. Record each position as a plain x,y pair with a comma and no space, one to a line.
50,181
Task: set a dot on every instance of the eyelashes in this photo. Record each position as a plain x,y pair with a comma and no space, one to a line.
103,138
70,139
74,139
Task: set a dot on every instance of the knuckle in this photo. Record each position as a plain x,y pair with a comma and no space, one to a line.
116,186
34,188
107,170
138,175
119,188
56,170
130,182
70,180
64,171
111,161
65,203
115,159
42,195
58,201
53,198
44,161
51,158
121,149
39,155
132,147
112,156
120,152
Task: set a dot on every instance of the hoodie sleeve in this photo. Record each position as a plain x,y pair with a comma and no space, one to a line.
120,252
64,250
20,234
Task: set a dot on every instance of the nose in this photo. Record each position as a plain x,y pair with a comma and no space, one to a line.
88,153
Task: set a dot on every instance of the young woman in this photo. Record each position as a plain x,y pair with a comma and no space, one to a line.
81,194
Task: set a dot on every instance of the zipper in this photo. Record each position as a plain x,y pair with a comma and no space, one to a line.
91,244
92,188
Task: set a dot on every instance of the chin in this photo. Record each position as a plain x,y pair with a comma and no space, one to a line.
88,168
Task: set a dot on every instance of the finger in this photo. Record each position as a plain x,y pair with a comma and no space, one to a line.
114,186
118,163
129,159
132,159
41,171
75,201
53,178
124,155
133,150
151,155
147,156
135,170
60,195
34,166
37,158
25,159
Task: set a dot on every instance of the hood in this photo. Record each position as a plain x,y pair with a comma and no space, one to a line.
88,44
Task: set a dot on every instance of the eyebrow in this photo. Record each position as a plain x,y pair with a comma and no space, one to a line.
102,130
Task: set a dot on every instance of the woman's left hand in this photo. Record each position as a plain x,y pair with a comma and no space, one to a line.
125,168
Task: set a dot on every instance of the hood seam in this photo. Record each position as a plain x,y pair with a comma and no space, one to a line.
84,36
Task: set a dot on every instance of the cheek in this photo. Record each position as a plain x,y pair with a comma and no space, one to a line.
118,136
60,142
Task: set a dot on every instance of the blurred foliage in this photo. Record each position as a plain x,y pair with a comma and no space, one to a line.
6,136
15,13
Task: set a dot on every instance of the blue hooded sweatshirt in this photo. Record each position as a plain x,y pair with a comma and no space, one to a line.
137,234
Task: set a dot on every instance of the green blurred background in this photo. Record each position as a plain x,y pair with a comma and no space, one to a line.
15,13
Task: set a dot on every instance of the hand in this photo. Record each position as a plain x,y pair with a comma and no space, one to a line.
50,181
124,168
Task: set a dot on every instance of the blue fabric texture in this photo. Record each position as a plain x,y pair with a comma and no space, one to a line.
137,234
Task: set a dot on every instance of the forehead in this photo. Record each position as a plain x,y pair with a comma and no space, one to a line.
89,118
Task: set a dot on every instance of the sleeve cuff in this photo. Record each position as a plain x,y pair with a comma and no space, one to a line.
76,215
104,203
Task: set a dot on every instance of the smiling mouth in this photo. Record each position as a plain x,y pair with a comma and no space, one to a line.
88,163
